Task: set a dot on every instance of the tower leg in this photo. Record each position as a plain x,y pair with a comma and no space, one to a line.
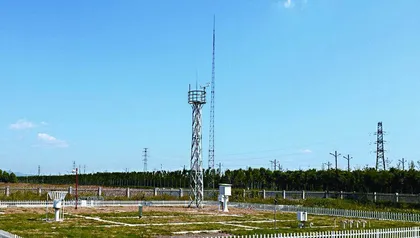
196,173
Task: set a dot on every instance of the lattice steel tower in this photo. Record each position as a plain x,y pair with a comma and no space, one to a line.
380,152
211,134
197,98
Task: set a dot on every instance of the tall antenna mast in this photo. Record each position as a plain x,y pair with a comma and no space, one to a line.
211,134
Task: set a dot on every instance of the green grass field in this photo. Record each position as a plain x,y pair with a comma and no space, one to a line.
164,221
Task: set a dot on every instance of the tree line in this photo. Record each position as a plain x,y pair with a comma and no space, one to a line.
6,177
361,180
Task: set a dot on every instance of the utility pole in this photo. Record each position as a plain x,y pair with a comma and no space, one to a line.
279,166
220,169
329,165
84,169
403,163
348,158
336,154
74,165
145,160
39,170
273,164
380,151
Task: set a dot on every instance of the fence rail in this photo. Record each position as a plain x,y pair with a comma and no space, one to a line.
96,203
391,216
5,234
410,232
179,192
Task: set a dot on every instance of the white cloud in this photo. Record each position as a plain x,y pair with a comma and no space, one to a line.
51,140
306,151
288,4
22,124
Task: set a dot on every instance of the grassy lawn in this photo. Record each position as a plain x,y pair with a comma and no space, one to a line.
165,222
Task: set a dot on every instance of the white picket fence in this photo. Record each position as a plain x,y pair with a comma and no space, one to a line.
5,234
391,216
409,232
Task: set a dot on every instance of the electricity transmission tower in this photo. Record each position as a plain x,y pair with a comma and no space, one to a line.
336,154
380,152
145,160
196,98
348,158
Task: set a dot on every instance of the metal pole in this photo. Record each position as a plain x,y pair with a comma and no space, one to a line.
46,209
77,183
275,211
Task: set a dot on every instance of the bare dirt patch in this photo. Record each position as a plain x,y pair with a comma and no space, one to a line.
207,210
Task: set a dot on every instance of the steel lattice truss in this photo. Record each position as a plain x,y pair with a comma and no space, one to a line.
197,98
196,175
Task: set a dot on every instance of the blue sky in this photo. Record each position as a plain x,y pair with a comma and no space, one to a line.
97,81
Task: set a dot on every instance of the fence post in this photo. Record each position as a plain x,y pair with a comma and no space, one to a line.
39,191
326,194
7,192
264,194
284,194
99,191
244,195
155,193
70,190
303,195
341,195
181,193
127,192
396,197
374,197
